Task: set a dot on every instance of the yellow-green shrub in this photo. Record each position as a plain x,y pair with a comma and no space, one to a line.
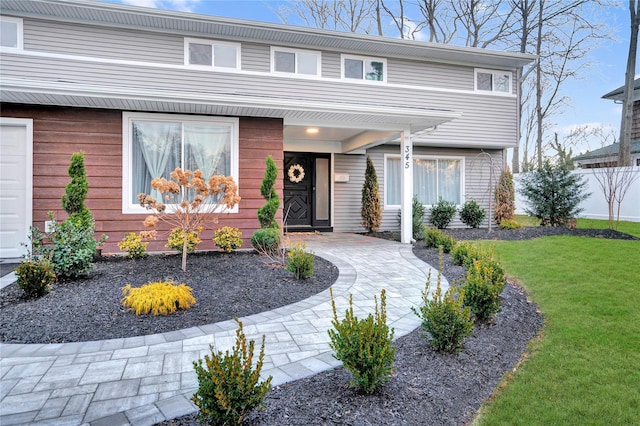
157,298
510,224
485,283
133,245
176,240
299,261
228,238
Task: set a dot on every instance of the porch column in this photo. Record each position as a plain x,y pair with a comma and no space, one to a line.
406,231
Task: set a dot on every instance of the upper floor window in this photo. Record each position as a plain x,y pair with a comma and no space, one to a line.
209,53
361,68
493,81
10,32
294,61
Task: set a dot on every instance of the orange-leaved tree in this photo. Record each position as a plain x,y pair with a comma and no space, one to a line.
189,202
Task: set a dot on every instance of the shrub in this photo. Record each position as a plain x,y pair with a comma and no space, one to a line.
133,245
176,240
445,318
228,385
266,241
267,213
472,214
554,194
505,198
299,261
371,210
485,283
35,276
364,346
228,238
76,192
510,224
417,216
463,251
436,238
157,298
442,213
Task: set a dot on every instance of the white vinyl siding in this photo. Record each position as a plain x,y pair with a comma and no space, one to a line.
493,81
361,68
297,62
11,36
211,54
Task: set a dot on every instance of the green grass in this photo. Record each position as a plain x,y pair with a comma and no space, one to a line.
632,228
525,220
586,368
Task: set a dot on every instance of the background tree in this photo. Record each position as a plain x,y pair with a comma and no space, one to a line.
371,211
614,183
624,155
267,213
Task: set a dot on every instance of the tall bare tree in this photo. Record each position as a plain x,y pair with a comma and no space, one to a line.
438,20
342,15
624,155
484,22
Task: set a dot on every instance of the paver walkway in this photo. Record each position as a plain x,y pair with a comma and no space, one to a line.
144,380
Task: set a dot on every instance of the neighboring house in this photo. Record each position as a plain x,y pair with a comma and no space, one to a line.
142,91
607,156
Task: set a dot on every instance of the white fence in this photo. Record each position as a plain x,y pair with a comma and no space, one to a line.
596,207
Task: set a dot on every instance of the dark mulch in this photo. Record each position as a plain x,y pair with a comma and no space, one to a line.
224,285
534,232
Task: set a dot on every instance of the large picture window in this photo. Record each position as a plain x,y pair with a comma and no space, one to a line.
155,144
433,178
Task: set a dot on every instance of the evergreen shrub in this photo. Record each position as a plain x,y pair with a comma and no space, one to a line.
133,245
299,261
157,298
442,213
371,210
471,214
436,238
176,240
510,224
485,282
228,238
266,241
505,197
35,276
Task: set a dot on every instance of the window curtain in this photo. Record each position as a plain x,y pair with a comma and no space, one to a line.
449,180
156,154
394,181
425,180
205,147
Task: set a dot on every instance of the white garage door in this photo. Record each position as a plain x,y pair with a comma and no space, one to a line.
16,166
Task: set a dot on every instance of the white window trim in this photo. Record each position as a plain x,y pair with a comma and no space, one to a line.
20,32
363,59
493,73
128,207
212,43
295,74
392,207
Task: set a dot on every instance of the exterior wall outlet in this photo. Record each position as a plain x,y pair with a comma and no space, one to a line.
48,226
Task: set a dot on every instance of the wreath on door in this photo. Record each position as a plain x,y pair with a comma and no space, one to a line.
296,173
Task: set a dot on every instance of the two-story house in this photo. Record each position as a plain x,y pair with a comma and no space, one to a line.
141,91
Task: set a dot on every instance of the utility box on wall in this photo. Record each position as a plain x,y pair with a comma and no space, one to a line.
341,177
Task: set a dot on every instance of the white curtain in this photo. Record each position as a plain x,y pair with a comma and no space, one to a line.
449,180
431,179
205,147
425,180
394,179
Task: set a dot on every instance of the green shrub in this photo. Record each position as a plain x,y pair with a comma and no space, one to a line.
442,213
463,251
553,194
471,214
299,261
510,224
133,245
176,240
228,385
76,192
364,346
445,318
35,276
157,298
228,238
267,213
371,210
485,283
266,241
417,216
436,238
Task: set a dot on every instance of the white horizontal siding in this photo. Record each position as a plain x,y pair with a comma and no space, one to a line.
256,57
331,65
423,74
347,196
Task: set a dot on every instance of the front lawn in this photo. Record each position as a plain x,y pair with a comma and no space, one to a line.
586,367
632,228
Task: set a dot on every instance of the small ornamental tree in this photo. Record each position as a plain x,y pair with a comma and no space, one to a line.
371,211
505,197
76,191
267,213
193,202
554,194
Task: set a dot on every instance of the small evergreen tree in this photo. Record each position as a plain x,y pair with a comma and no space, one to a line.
267,213
76,191
371,211
554,194
505,197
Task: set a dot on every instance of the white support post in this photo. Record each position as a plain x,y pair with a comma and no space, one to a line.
406,228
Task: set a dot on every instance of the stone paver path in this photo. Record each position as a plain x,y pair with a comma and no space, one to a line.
144,380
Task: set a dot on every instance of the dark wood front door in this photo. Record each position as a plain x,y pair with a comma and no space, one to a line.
306,191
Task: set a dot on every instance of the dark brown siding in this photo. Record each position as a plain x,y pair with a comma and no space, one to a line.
59,132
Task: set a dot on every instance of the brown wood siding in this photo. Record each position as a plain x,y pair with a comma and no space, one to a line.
58,132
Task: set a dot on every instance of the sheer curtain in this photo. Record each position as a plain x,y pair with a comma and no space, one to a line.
424,180
394,181
156,154
205,147
449,180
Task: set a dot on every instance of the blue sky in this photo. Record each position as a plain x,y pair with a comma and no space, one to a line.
605,73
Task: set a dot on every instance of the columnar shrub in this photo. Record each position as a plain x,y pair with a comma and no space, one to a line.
299,261
228,384
505,198
364,346
442,213
267,213
176,240
438,239
76,192
485,283
472,214
554,194
371,210
157,298
35,276
444,317
133,245
228,238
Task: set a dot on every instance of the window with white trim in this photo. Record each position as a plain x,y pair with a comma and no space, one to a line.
155,144
493,81
433,177
363,68
295,61
211,54
11,32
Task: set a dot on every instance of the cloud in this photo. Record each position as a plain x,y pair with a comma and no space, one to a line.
179,5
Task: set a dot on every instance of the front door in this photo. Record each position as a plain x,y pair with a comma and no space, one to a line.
307,191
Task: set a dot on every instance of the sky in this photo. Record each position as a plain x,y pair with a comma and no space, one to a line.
605,72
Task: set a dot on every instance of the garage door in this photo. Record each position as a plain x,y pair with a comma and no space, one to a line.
16,166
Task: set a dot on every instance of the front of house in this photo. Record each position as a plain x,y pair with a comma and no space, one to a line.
141,91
